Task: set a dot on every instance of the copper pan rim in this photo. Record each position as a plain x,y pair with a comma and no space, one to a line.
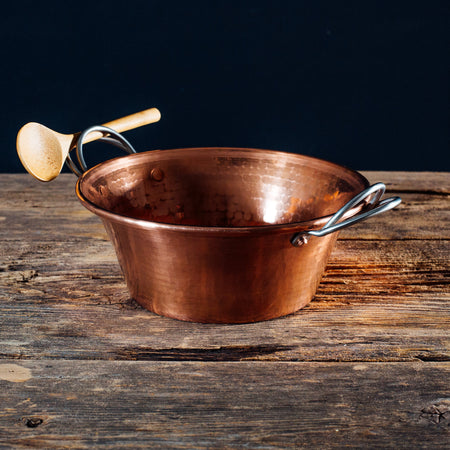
231,231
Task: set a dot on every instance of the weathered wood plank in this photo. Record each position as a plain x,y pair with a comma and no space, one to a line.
393,268
63,295
72,404
378,301
63,301
52,211
102,333
424,182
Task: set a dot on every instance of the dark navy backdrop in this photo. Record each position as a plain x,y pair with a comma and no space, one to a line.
362,83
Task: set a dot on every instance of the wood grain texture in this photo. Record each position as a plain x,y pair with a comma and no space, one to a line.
371,305
368,357
53,212
423,182
64,295
226,405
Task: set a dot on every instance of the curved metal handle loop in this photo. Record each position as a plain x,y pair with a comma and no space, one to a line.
109,135
376,191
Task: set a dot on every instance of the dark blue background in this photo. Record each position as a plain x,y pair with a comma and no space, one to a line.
361,83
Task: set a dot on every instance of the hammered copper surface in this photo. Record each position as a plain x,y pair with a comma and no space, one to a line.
204,234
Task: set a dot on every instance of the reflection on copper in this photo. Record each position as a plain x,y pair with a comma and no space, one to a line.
272,209
206,237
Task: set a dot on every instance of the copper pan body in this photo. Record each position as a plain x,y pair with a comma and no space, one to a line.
203,234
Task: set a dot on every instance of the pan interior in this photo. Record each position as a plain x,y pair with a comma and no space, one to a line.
220,187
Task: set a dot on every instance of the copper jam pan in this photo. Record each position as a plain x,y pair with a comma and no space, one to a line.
225,235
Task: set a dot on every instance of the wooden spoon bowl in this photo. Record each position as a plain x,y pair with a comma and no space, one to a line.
43,151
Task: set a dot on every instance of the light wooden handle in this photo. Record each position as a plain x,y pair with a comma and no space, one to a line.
130,122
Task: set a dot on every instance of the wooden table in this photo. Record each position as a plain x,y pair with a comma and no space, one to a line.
366,364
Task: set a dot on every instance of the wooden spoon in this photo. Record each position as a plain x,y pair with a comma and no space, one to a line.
43,151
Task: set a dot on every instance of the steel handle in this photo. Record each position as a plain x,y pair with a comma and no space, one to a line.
109,135
371,196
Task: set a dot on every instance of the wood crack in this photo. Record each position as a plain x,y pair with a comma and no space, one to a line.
232,353
260,353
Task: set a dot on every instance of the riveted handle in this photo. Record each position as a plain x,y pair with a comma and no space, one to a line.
371,196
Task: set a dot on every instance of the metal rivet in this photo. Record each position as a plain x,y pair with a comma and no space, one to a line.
299,240
157,174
